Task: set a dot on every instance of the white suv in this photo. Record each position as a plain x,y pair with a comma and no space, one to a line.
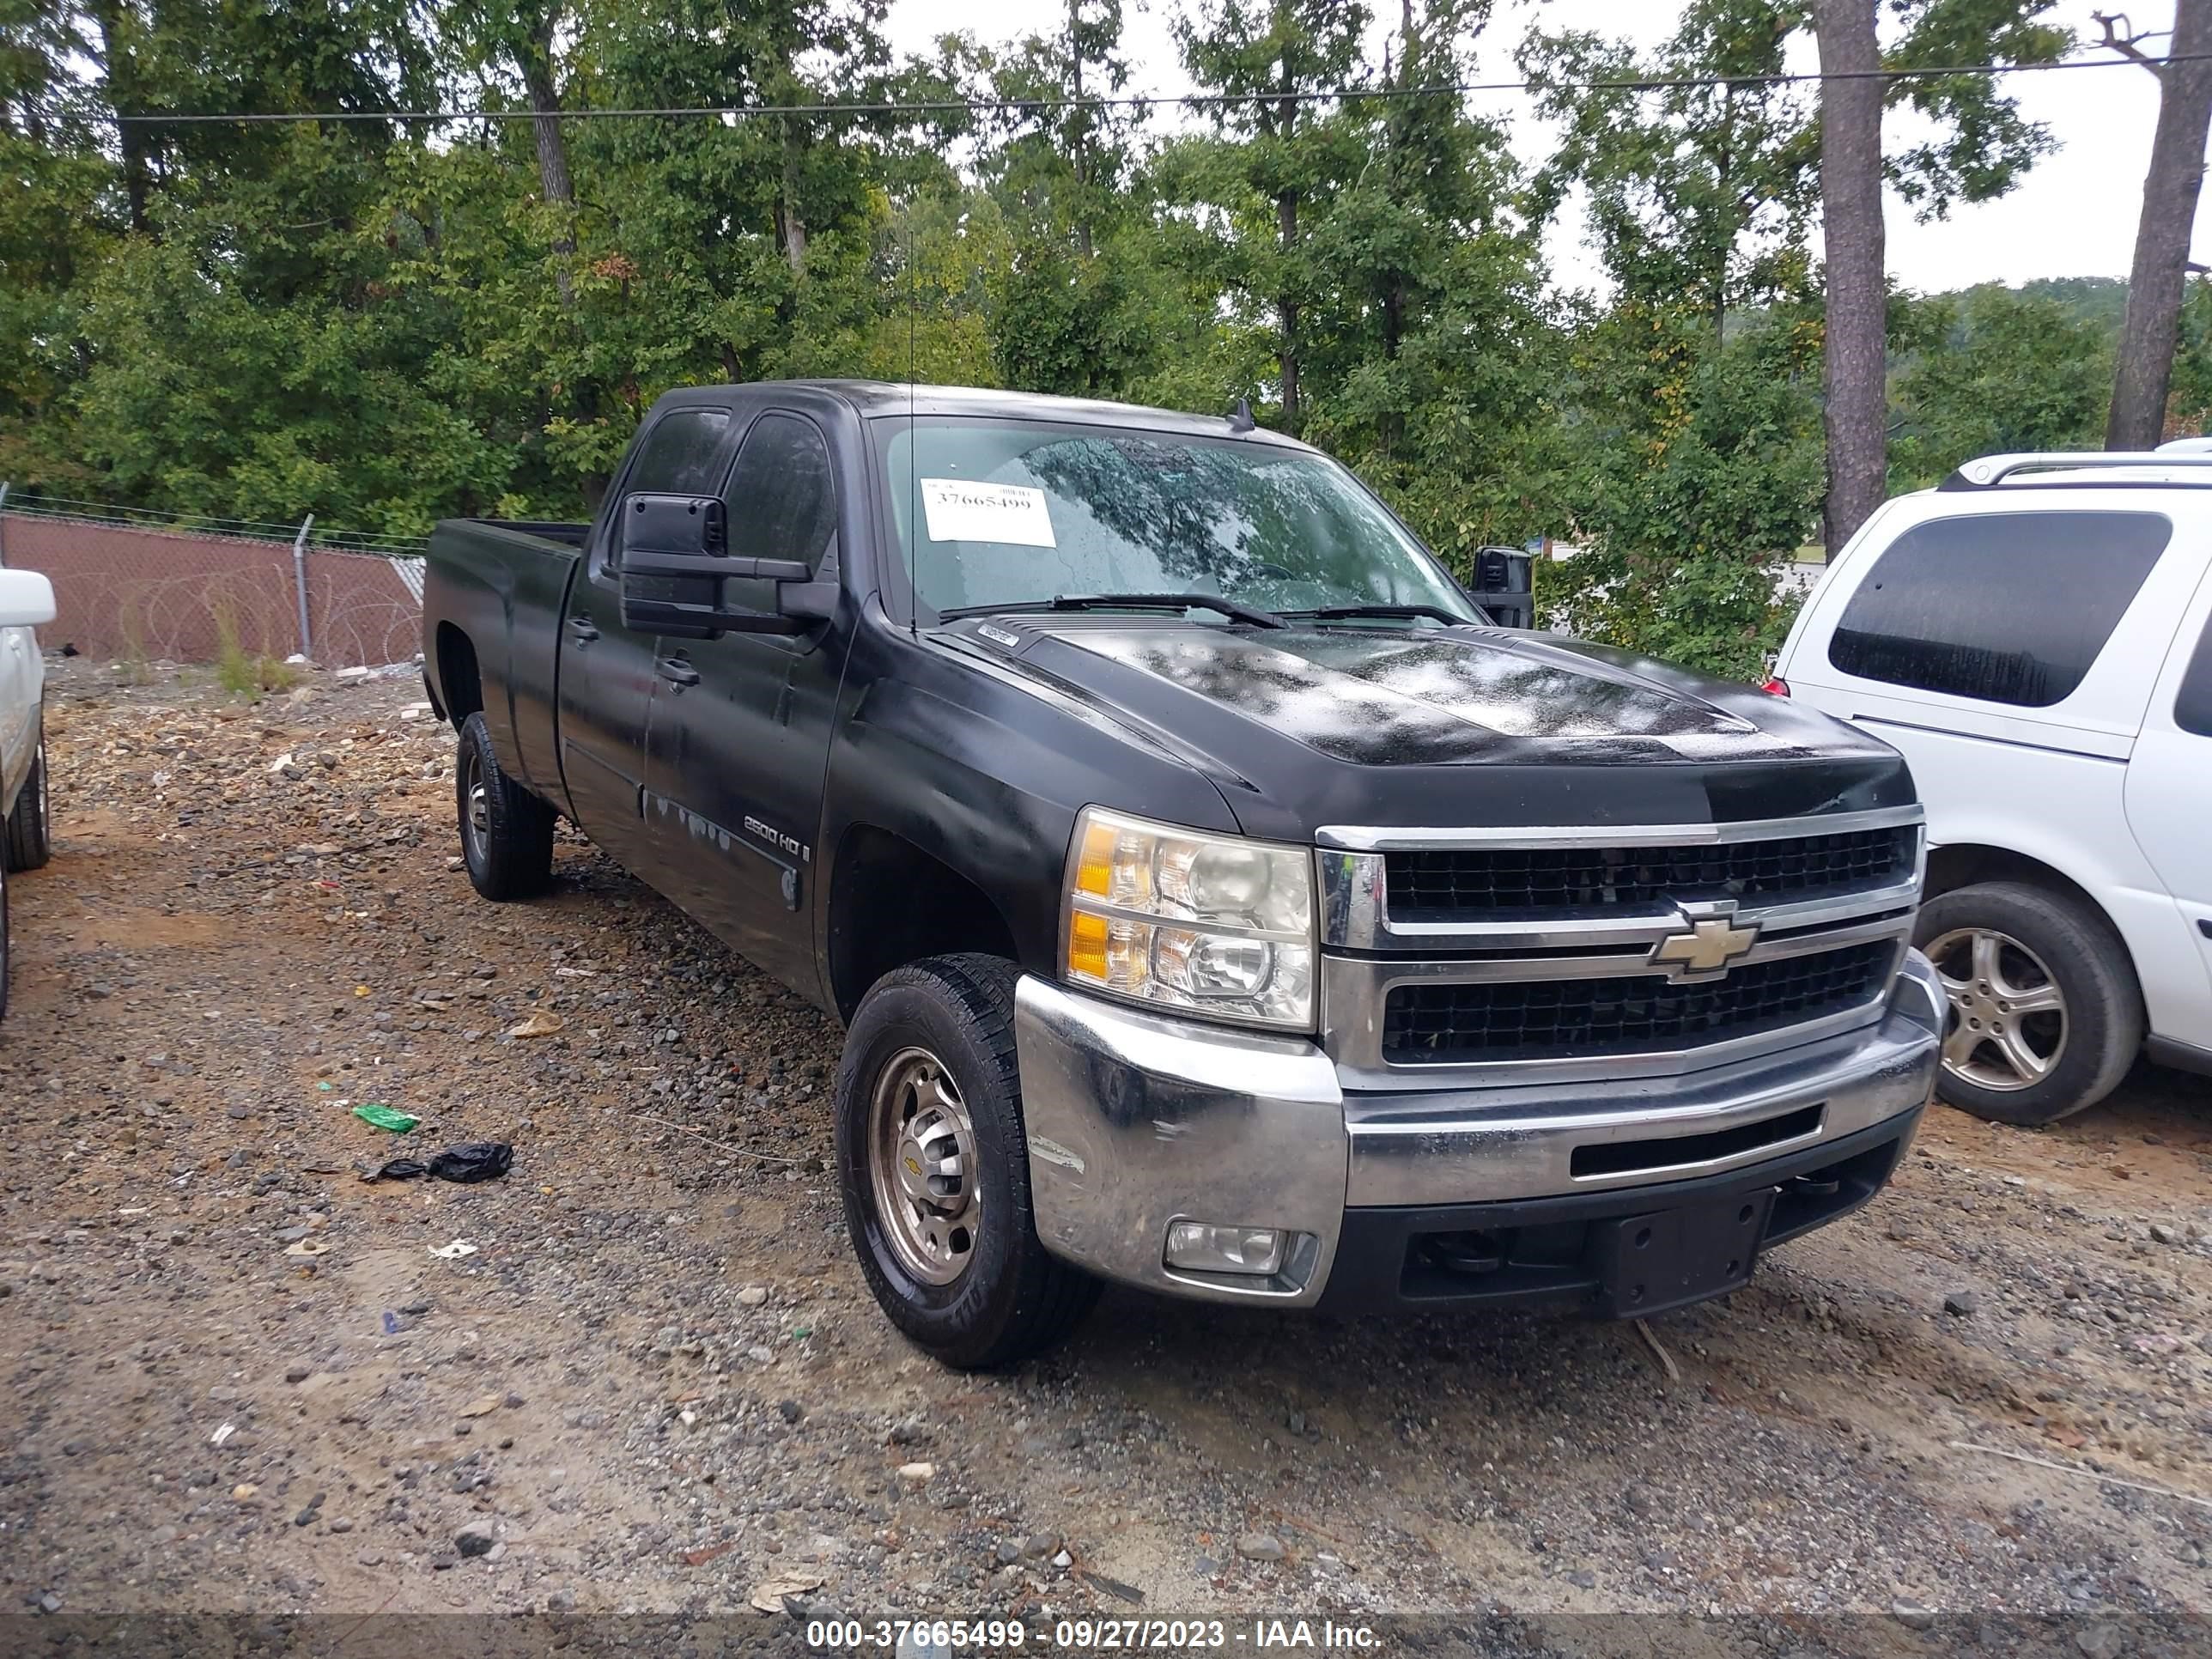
2035,634
26,599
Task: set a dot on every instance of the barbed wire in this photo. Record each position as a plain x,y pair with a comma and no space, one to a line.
1196,101
383,544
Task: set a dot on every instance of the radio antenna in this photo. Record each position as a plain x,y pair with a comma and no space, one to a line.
913,438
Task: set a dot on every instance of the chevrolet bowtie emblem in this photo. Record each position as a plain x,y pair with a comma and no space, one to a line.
1706,946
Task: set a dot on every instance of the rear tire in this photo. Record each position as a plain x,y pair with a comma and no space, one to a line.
2045,1014
28,842
506,832
934,1165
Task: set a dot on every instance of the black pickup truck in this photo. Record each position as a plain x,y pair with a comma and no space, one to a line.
1215,899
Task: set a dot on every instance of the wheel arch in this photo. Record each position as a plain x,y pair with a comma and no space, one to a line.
458,692
1962,864
891,903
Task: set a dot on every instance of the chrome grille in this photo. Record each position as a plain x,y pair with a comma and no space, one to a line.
1447,1024
1520,883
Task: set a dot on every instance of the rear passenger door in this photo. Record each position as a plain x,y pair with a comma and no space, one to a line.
735,791
2170,804
607,672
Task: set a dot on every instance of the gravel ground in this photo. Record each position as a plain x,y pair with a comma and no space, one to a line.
242,1379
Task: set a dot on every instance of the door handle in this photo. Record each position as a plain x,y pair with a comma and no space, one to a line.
679,672
582,628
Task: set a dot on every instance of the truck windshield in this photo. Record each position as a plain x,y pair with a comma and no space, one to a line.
1012,513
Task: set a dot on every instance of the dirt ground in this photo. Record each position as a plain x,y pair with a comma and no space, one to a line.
237,1378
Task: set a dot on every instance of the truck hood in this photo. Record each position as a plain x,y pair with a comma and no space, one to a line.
1310,726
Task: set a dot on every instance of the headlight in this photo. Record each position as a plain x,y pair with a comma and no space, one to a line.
1217,925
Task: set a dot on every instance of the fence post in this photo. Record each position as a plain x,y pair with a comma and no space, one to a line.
299,584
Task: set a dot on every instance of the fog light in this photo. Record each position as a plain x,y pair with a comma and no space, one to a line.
1197,1247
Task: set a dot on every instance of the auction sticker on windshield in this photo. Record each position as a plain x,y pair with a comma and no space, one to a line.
959,511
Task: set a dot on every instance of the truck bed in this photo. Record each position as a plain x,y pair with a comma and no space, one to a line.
494,593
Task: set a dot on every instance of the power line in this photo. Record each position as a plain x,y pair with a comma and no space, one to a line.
1181,99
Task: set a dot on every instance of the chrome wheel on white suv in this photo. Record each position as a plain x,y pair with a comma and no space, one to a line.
2008,1015
2045,1013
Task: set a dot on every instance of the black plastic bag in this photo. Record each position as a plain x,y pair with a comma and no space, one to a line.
480,1160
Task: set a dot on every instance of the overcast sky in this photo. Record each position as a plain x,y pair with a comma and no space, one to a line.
2075,216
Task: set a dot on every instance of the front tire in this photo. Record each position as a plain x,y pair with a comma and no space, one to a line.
934,1165
506,832
2045,1014
28,842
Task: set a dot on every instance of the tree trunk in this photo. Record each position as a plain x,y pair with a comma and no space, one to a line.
2159,276
1850,208
552,146
1081,124
790,223
1286,310
120,71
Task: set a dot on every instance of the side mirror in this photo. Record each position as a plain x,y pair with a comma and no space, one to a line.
687,537
26,599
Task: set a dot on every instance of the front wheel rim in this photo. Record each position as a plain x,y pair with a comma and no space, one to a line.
921,1168
2009,1022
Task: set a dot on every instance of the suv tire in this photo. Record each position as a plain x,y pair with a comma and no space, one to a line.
2045,1013
934,1166
506,832
26,842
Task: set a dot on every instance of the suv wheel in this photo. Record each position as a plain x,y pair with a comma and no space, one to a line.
506,832
2046,1015
934,1167
26,841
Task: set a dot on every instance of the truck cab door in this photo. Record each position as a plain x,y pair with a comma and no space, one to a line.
742,721
607,672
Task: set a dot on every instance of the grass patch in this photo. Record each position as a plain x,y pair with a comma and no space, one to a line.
239,672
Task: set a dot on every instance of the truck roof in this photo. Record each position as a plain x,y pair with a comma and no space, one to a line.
881,397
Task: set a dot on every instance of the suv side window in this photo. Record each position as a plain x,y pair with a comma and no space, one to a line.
2006,607
2193,706
782,504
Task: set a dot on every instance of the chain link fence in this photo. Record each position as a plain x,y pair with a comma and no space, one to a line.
136,587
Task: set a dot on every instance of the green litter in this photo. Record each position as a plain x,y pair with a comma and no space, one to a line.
385,1118
324,1087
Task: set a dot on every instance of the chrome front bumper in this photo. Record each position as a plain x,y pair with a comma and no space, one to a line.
1136,1120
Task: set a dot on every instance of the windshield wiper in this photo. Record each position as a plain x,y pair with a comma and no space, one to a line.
1229,608
1407,612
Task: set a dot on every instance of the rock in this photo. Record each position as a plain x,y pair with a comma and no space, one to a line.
2159,1233
1582,1578
298,1373
916,1473
1038,1545
1008,1552
1911,1614
2100,1641
790,1410
752,1295
344,1523
50,1603
475,1538
1260,1546
1960,1303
